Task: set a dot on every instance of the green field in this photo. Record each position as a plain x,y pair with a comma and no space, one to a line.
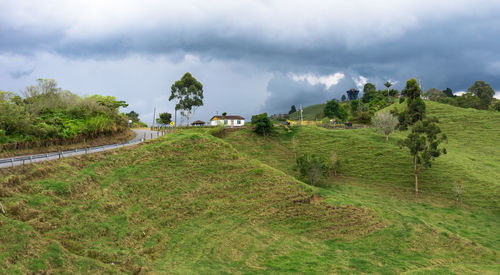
309,112
193,203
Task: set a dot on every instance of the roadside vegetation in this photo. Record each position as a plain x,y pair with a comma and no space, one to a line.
46,115
45,111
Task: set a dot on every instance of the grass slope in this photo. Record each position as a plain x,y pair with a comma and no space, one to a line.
187,203
378,175
309,112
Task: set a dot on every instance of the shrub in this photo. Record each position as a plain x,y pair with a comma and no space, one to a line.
312,168
218,131
262,124
385,122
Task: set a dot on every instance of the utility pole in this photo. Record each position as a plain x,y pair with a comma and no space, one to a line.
301,118
154,118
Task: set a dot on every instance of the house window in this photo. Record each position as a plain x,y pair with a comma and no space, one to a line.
225,121
238,122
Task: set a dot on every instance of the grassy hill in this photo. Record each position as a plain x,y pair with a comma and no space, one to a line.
192,203
309,112
378,175
185,203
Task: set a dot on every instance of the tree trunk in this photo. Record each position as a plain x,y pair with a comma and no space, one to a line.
415,171
386,138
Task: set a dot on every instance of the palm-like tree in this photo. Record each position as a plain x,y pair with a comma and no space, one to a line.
388,84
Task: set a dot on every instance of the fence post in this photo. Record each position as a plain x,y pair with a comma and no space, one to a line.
144,138
31,159
151,135
86,150
59,154
12,162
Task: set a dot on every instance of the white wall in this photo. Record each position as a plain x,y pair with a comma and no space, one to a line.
230,122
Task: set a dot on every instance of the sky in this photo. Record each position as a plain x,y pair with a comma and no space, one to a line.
251,56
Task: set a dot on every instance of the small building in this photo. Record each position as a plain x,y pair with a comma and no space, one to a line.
227,120
198,123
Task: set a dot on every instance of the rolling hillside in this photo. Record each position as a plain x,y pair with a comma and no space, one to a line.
193,203
378,175
186,203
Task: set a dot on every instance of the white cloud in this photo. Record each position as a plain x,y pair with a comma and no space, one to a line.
459,93
313,79
360,81
497,95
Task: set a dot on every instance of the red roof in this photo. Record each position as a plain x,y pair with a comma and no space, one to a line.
228,117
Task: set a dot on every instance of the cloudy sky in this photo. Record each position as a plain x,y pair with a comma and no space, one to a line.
251,55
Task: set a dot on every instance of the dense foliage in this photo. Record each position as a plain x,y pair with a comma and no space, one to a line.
262,124
164,119
45,111
333,109
478,96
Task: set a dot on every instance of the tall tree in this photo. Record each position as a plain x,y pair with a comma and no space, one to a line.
293,109
352,94
415,104
484,91
369,92
388,84
423,143
343,98
189,93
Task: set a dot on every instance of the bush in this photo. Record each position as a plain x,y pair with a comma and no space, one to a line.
385,122
312,168
218,131
365,117
262,124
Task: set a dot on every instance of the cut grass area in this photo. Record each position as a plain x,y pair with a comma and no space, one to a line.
185,203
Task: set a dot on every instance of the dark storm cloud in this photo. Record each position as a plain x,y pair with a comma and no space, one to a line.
446,44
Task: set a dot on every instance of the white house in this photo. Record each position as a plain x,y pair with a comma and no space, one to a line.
227,120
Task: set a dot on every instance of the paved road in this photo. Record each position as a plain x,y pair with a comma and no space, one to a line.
140,135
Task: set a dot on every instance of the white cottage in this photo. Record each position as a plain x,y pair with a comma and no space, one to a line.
227,120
